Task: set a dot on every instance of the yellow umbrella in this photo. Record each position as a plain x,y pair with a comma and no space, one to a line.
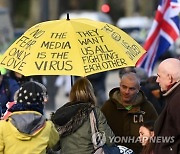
71,47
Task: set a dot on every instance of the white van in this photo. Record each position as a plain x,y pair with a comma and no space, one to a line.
137,27
6,30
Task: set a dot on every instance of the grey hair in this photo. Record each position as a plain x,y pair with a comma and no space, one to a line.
132,76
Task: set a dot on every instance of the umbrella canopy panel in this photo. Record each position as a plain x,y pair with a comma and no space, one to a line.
71,47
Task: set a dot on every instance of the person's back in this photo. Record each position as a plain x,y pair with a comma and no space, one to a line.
77,136
17,142
26,130
73,122
153,94
126,109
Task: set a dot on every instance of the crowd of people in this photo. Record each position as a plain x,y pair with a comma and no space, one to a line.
141,114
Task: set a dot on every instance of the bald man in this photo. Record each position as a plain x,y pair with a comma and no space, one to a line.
168,123
126,109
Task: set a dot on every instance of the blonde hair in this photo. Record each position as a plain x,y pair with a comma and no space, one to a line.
82,90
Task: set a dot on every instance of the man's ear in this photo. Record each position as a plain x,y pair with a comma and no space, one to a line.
170,78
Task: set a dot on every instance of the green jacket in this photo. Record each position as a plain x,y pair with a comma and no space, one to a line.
27,132
77,136
125,123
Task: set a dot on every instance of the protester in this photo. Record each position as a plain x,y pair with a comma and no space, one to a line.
154,95
26,130
72,120
98,82
168,123
125,70
8,87
126,109
10,104
20,78
146,134
148,85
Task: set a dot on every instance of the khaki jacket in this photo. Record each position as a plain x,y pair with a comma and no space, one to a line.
77,136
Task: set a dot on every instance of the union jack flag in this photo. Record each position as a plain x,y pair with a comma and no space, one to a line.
163,33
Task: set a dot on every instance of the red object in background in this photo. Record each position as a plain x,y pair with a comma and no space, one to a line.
7,113
105,8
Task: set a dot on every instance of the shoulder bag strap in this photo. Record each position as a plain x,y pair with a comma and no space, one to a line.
94,129
93,122
96,139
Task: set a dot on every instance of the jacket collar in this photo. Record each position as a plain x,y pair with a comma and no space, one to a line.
77,113
172,88
115,96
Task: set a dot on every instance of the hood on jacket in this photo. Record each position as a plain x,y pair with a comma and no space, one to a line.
27,123
114,95
172,88
71,116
